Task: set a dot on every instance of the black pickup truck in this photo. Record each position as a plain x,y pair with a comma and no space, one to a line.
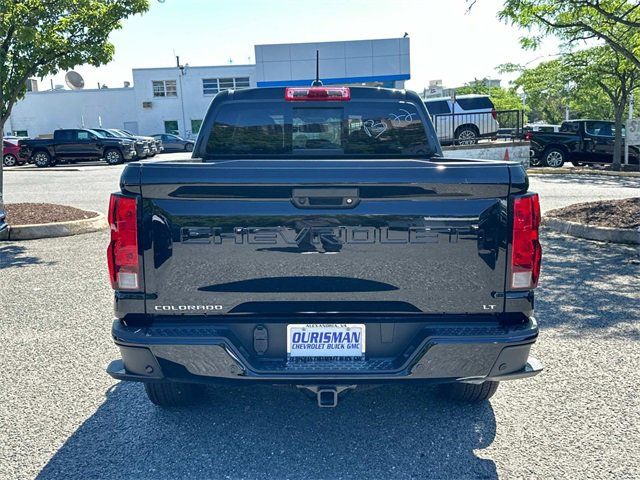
69,145
579,142
318,238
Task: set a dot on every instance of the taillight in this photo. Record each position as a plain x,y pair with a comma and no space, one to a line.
494,113
528,136
122,254
526,252
317,94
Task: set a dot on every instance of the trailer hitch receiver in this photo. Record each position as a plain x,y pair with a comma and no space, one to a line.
327,395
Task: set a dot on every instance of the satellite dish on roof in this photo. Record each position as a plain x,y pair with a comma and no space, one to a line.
74,80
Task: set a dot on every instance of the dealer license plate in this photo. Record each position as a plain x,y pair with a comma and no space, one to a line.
326,340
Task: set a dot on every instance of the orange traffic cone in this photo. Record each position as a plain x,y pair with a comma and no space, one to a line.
506,155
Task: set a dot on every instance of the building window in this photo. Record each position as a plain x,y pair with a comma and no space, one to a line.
171,126
226,83
211,86
242,82
195,126
164,88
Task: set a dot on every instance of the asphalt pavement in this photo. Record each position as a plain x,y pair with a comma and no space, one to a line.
61,416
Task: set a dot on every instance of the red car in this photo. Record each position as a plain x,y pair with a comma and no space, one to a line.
10,155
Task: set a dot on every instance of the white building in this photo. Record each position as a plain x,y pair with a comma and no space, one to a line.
175,100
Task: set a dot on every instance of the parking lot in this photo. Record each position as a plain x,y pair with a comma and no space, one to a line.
61,416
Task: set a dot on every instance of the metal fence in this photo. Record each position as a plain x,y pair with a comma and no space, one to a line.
471,128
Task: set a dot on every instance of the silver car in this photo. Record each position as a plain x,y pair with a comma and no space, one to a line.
464,120
174,143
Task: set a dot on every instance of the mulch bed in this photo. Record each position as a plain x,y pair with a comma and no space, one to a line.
607,213
33,213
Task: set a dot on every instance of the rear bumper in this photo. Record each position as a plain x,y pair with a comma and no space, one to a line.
445,353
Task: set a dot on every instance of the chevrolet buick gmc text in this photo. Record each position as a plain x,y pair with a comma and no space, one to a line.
318,237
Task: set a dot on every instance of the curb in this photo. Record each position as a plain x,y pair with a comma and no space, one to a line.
59,229
591,232
564,171
22,168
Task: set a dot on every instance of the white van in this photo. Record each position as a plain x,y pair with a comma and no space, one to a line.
470,118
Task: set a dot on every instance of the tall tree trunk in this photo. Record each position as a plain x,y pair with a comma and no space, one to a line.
617,148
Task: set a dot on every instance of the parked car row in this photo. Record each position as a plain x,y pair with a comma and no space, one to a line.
145,146
579,141
70,145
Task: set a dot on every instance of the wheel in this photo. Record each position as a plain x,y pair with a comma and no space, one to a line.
113,157
188,147
9,160
171,394
535,161
467,135
554,157
42,159
470,392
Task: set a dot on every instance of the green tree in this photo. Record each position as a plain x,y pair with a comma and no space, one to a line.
615,22
595,82
42,37
613,74
549,89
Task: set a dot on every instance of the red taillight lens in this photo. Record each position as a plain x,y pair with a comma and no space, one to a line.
528,136
494,113
526,252
317,94
122,254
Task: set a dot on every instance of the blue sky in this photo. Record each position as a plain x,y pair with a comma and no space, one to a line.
446,42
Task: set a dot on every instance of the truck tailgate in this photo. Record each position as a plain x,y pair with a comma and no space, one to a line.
350,236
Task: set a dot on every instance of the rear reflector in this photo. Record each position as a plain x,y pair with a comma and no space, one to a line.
526,252
122,253
317,94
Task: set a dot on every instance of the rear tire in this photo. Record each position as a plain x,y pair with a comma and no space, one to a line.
467,135
172,394
470,392
554,158
42,159
9,160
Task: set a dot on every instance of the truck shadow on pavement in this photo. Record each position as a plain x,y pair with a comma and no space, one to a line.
588,285
15,256
399,431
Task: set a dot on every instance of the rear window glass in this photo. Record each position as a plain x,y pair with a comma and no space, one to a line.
301,129
569,127
438,107
476,103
